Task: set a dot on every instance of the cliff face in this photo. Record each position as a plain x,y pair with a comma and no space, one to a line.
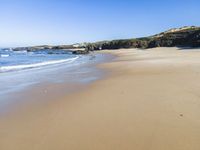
183,37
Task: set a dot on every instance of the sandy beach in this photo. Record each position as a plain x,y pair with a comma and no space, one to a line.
149,101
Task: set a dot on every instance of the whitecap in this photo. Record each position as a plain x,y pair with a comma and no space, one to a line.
28,66
20,52
4,55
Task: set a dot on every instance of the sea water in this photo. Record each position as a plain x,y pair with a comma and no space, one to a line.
19,60
22,69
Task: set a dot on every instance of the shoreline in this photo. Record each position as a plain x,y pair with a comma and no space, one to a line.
148,101
44,90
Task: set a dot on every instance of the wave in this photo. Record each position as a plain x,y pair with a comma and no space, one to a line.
4,55
20,52
29,66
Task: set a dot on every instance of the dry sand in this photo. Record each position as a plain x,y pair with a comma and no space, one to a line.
151,101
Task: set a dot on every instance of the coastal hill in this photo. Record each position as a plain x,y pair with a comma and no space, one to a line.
188,36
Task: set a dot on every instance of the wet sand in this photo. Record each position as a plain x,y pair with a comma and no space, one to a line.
150,101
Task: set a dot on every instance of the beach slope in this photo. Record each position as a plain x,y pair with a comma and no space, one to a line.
150,101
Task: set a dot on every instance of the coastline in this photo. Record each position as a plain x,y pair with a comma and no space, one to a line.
50,82
148,101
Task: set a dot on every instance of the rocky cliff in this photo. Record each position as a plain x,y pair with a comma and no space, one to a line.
182,37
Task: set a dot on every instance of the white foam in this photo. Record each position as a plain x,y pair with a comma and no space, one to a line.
21,52
4,55
27,66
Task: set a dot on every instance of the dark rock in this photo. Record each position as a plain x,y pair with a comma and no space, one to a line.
80,52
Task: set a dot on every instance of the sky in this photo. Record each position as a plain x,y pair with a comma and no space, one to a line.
55,22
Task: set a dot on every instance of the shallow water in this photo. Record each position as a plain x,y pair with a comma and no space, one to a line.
19,60
81,71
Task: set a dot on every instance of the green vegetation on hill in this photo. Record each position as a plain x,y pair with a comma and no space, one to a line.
183,37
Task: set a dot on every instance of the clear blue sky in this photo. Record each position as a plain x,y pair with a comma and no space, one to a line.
36,22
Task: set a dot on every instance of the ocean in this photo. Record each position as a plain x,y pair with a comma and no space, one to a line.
19,60
20,70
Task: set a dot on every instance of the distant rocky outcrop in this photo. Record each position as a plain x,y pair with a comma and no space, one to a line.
32,48
77,49
45,47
